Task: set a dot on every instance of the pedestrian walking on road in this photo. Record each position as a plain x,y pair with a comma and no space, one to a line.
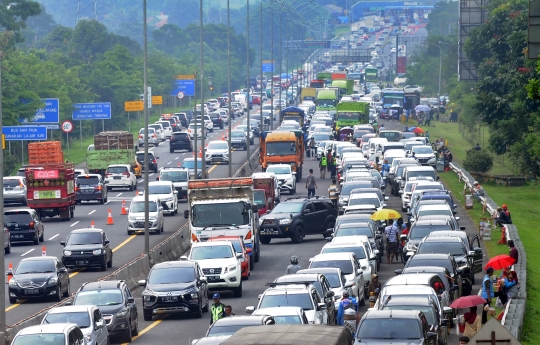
228,311
333,192
392,234
322,166
294,266
217,310
310,184
487,292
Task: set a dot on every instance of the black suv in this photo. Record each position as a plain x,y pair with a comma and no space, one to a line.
39,277
216,120
24,225
90,187
87,248
116,303
180,141
298,217
175,287
184,121
152,161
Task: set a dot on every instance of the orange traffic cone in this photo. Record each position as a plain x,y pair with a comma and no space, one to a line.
124,212
178,164
136,192
92,224
223,136
200,152
109,218
43,251
10,272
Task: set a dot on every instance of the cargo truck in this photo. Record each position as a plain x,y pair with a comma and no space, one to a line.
295,334
308,94
282,147
294,114
371,74
116,147
317,83
266,191
327,99
346,86
224,207
352,113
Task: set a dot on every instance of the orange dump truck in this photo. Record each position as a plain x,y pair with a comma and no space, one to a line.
282,147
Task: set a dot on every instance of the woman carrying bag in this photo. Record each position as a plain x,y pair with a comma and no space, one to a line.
472,322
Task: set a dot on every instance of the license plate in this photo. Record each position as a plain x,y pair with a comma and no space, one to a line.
80,263
170,299
213,278
18,236
31,291
117,177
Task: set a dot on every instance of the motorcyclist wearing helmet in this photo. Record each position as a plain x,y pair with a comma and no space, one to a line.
294,266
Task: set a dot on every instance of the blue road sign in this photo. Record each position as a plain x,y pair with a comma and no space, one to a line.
267,67
185,86
91,111
48,114
25,132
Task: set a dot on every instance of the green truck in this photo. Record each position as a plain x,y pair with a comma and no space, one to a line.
110,148
327,77
346,86
371,74
352,113
327,99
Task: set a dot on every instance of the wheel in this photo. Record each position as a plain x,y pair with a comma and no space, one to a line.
7,250
12,300
109,264
129,233
404,209
36,239
78,202
101,201
293,191
106,199
135,331
258,251
147,316
238,291
130,188
266,240
127,337
298,235
134,187
379,264
251,142
157,144
103,266
58,294
198,313
108,188
205,308
66,293
161,230
252,262
42,237
190,149
245,148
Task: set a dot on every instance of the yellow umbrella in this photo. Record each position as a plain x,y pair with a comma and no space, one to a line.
385,214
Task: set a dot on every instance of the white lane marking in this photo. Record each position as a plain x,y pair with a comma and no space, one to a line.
152,174
177,157
52,238
119,194
183,154
106,202
77,222
141,181
91,212
31,250
169,163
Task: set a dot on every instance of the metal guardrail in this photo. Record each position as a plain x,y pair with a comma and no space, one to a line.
515,308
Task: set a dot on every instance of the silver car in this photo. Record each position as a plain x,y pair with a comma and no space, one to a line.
15,190
153,136
87,317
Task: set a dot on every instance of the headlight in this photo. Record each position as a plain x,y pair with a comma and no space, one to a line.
121,313
53,281
230,268
67,252
13,282
261,221
290,181
97,252
88,337
168,199
195,296
130,219
410,247
285,221
153,219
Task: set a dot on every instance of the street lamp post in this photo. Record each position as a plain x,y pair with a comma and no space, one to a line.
229,81
273,64
247,79
261,48
203,127
440,68
145,91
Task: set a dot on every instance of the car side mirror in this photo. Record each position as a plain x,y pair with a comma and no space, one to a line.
403,237
348,285
462,228
459,271
250,309
457,218
186,214
63,243
471,253
398,271
106,242
131,300
386,198
157,178
444,322
99,324
239,255
142,282
437,178
378,236
400,191
376,252
307,210
359,271
321,306
329,294
62,270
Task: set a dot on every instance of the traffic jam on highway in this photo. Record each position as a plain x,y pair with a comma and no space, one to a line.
344,223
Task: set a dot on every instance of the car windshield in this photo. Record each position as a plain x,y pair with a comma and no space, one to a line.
422,149
389,328
276,169
237,134
345,265
358,250
217,331
11,183
320,136
287,300
427,310
287,319
441,212
425,173
138,206
221,145
174,176
99,297
40,339
365,138
418,262
213,214
211,252
159,189
17,218
452,248
365,201
288,207
82,319
259,197
419,231
175,275
190,164
282,148
410,145
348,187
353,231
35,266
335,280
80,238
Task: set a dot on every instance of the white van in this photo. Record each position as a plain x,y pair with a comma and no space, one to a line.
374,142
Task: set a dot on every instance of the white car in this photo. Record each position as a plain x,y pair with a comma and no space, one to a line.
208,124
159,131
191,131
217,151
413,88
167,194
87,317
54,333
15,190
120,175
285,175
424,154
136,215
167,128
285,315
178,176
348,263
220,264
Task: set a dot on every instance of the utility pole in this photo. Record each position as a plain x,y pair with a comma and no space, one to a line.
145,103
247,77
203,127
262,73
229,83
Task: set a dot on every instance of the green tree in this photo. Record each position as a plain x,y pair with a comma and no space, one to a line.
89,39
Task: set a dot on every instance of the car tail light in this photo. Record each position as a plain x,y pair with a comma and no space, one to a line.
31,224
98,188
107,174
125,173
140,136
248,236
154,135
6,229
194,238
154,161
77,188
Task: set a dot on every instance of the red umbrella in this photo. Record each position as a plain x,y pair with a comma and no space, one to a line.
500,261
417,130
467,302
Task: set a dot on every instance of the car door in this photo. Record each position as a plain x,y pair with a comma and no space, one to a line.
328,300
309,217
320,216
358,278
38,223
62,273
444,297
101,333
478,255
107,247
321,316
371,257
203,288
130,303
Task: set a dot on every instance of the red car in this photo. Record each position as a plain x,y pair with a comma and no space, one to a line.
239,247
255,99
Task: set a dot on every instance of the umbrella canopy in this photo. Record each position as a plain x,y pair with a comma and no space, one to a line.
385,214
422,107
467,302
410,129
500,261
417,130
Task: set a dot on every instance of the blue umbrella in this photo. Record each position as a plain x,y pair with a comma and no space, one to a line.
411,128
285,75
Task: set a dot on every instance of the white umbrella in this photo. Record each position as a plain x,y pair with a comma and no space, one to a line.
422,107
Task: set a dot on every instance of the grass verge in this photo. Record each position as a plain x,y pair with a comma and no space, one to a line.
524,206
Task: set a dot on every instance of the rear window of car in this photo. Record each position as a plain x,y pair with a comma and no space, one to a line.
19,217
88,180
165,124
140,156
12,183
179,135
117,170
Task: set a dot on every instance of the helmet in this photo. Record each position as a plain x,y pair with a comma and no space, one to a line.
294,260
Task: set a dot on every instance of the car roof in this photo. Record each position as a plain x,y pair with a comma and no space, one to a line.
224,238
359,224
158,183
153,198
293,278
363,196
47,328
19,210
409,300
360,217
449,233
430,256
102,285
281,311
391,290
430,221
287,289
410,279
424,269
119,165
86,230
420,168
39,258
241,320
321,270
442,239
347,241
442,206
210,244
71,309
333,256
173,264
83,175
385,314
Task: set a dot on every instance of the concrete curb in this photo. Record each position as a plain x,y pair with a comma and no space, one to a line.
515,308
